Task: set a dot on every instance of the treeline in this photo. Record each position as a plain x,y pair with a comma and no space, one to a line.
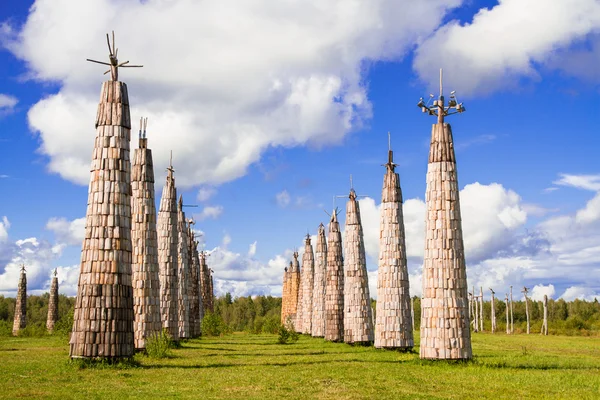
37,315
262,314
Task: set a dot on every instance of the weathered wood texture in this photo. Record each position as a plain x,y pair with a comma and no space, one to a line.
308,280
545,321
168,239
144,263
318,314
393,326
445,332
205,282
211,292
507,315
103,316
183,273
196,306
285,297
334,283
493,311
358,318
295,293
52,304
20,320
481,309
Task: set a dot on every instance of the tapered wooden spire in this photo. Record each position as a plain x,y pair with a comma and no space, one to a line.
318,306
445,332
334,286
295,293
103,316
393,327
358,317
307,277
183,273
146,291
168,256
20,320
52,304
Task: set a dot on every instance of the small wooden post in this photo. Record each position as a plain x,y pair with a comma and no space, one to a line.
476,314
512,321
493,308
545,324
526,307
507,324
481,309
470,296
412,312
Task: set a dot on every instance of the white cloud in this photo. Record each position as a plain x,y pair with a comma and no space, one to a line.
37,256
538,292
283,198
252,250
67,232
226,240
581,293
587,182
260,75
7,103
4,226
504,43
205,193
213,212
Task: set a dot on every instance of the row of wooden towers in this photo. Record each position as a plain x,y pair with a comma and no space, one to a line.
141,271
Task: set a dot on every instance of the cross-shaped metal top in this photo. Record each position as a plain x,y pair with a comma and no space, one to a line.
114,62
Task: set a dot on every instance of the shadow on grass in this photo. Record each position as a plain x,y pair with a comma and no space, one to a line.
283,364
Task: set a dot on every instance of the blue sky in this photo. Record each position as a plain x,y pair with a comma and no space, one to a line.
269,110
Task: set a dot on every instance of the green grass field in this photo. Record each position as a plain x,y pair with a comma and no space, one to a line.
243,366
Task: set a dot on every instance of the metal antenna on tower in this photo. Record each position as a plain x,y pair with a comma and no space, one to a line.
439,108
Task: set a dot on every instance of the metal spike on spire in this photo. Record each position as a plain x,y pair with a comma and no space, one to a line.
439,108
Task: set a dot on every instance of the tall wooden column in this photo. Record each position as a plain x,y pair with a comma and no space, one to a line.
308,278
334,286
393,327
103,317
318,316
146,291
445,332
20,320
358,317
168,239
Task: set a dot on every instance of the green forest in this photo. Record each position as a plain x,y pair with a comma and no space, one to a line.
261,314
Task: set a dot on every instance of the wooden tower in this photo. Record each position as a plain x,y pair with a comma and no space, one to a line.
318,302
52,304
445,332
358,317
103,316
334,286
20,320
393,326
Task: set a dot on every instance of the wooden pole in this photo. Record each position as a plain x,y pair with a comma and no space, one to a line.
526,307
476,306
481,309
412,312
545,324
493,308
507,324
512,321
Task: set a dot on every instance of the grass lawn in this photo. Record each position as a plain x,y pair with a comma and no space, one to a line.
243,366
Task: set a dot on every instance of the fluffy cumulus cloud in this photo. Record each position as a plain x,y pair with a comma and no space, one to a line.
255,75
7,103
4,226
36,255
242,275
509,41
213,212
500,251
67,232
283,199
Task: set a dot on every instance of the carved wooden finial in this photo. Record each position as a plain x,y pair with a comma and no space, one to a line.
114,62
439,108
